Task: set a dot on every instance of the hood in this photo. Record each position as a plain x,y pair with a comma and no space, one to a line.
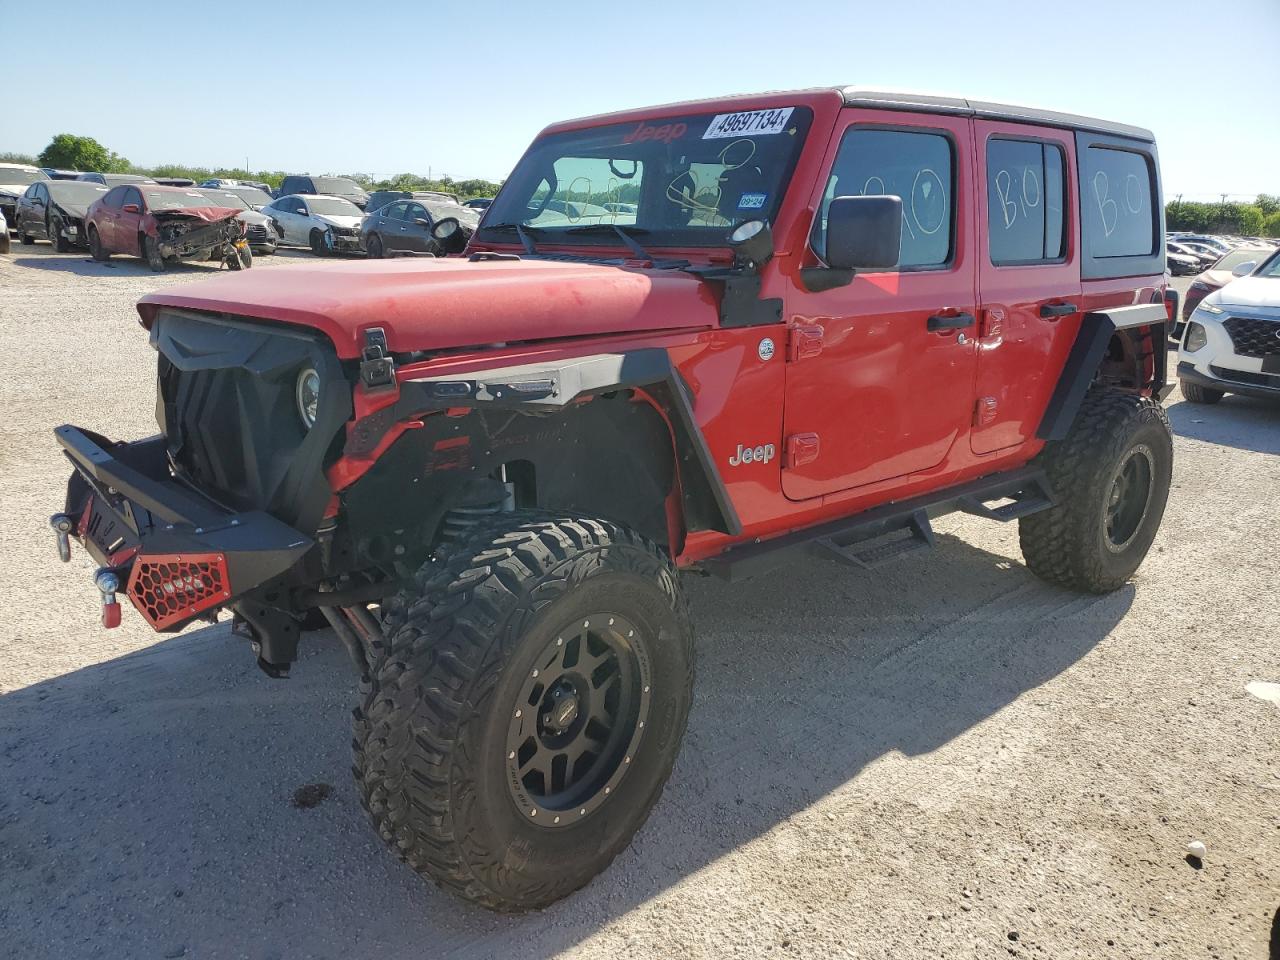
73,209
337,220
1216,278
427,304
1250,292
14,189
254,217
209,214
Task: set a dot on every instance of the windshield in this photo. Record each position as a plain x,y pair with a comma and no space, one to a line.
332,206
251,195
225,198
1239,256
179,199
339,185
681,180
16,175
75,191
1270,269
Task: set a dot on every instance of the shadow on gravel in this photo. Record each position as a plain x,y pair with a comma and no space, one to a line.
81,264
1246,423
148,804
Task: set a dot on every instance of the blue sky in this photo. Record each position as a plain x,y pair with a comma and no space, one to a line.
461,89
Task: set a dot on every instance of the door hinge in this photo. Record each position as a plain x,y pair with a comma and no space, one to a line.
377,369
802,448
804,340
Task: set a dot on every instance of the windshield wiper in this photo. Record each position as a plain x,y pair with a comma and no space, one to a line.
522,231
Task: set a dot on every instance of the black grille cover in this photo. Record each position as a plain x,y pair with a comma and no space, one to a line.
228,409
1252,337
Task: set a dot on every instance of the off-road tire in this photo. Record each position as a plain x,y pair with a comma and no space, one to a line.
374,248
1068,544
430,737
1196,393
54,230
316,240
96,250
151,253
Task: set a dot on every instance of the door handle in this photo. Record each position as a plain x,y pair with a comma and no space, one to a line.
1052,311
951,321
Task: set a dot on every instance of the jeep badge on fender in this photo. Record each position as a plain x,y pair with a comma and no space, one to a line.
486,471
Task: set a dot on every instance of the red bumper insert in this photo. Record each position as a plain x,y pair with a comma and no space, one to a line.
171,588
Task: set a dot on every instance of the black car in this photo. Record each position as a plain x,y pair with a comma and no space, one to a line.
54,210
405,226
342,187
380,198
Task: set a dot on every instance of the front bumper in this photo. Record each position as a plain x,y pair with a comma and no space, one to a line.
1262,385
182,555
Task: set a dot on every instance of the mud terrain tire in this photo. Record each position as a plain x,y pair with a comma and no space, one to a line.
1196,393
1111,476
433,747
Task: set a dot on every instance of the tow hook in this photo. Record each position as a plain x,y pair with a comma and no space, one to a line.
108,583
62,527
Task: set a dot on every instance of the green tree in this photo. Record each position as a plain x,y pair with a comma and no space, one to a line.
81,153
1268,203
1271,226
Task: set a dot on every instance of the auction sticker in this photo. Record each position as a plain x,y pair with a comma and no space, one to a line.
752,123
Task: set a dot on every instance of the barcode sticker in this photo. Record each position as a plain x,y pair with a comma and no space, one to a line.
753,123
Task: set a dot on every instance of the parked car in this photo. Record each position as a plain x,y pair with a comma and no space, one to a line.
224,183
114,179
53,173
14,180
406,225
4,234
342,187
324,224
1219,275
1202,255
1181,264
175,181
162,224
253,196
478,203
259,231
1232,339
549,429
55,210
380,198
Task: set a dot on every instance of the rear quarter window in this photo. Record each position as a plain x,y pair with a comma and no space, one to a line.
1121,212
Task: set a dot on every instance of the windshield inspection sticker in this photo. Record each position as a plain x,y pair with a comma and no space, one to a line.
752,201
752,123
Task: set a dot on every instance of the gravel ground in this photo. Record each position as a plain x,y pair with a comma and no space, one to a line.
943,758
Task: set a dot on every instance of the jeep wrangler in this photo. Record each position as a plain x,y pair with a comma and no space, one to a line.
706,337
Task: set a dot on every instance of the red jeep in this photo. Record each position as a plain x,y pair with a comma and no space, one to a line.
703,337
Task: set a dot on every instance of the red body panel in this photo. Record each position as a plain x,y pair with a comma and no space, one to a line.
119,229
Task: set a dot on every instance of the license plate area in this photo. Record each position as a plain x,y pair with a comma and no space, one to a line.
104,530
1271,363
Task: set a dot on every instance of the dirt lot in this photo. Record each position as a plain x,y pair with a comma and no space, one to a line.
943,758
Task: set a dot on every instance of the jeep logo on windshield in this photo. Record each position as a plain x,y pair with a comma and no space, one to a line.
761,454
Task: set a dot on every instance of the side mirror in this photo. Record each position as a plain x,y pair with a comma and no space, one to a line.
864,233
1244,269
130,208
422,222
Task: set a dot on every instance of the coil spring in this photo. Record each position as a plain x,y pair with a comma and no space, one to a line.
460,521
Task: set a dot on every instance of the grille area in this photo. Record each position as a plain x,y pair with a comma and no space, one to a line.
168,589
257,233
1251,337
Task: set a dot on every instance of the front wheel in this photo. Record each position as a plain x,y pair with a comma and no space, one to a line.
1198,394
373,247
96,249
54,230
151,253
317,243
528,709
1111,474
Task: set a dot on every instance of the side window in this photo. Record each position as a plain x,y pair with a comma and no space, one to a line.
916,166
394,211
133,196
1118,215
114,198
300,207
1025,202
415,212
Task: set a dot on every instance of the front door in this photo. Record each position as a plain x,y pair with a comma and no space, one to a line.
129,222
880,372
1028,277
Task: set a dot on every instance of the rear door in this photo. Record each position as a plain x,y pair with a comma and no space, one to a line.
1028,276
885,387
107,216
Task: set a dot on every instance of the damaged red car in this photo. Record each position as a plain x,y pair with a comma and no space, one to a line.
160,224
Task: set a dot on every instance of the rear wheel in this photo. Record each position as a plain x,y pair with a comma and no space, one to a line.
1198,394
96,249
373,246
528,709
25,238
1111,475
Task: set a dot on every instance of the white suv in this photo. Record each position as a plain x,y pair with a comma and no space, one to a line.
1231,343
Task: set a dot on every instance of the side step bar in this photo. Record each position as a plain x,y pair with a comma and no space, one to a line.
883,533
